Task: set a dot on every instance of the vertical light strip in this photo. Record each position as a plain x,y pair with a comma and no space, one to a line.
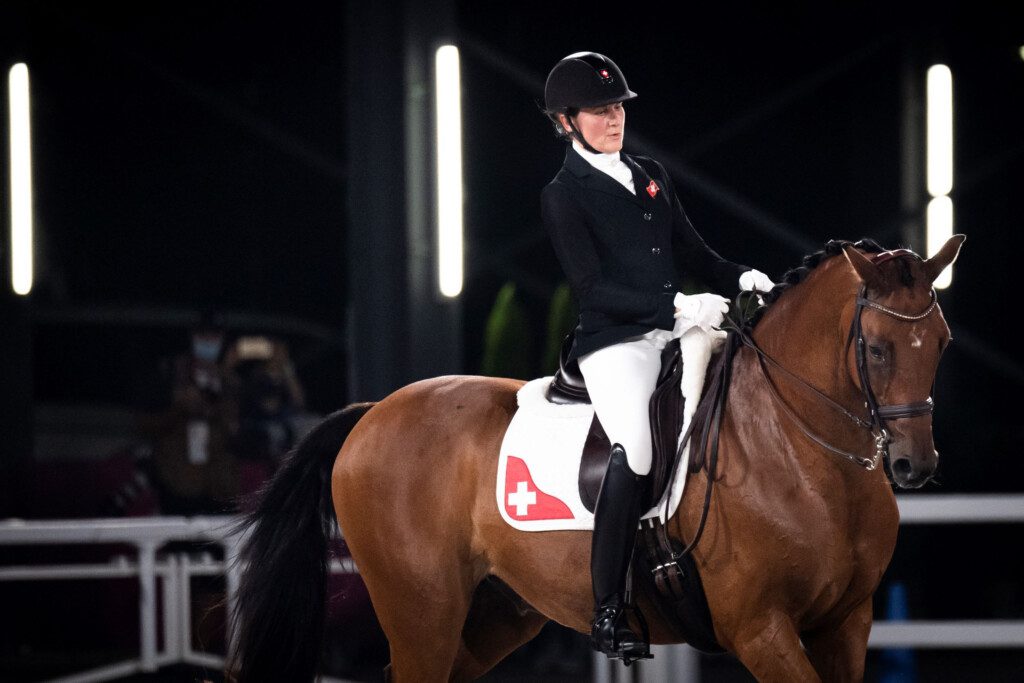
940,130
449,170
939,217
21,180
940,229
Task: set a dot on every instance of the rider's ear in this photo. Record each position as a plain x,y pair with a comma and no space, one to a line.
564,120
869,273
936,264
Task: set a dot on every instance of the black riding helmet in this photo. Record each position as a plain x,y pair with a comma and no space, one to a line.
583,79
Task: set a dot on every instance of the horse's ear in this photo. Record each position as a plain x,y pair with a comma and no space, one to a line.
869,273
950,250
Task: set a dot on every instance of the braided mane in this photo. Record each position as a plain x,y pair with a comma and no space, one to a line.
795,276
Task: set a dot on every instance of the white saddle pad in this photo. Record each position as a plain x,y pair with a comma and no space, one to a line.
539,463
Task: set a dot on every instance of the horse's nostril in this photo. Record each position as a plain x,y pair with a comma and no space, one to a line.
902,467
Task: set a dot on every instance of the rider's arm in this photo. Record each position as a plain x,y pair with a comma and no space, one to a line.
695,256
566,224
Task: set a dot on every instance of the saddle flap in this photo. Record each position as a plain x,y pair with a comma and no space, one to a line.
593,464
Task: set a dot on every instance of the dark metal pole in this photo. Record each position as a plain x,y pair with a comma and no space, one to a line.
16,395
399,327
435,320
912,191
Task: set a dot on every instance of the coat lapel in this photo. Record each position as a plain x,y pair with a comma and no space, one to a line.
641,180
602,182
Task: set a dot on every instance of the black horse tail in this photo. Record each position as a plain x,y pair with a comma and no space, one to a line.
279,615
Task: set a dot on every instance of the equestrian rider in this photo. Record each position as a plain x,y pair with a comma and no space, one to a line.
623,240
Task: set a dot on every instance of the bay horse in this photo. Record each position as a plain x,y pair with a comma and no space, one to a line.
797,536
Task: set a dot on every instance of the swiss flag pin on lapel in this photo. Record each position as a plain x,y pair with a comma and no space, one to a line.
652,188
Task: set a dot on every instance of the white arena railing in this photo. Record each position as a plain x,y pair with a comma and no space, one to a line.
148,535
175,570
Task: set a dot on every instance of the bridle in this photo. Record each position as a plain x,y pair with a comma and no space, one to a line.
877,414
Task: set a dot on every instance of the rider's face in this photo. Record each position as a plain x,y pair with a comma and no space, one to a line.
603,127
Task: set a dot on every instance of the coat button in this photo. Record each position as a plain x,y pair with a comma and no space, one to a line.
668,285
656,250
647,215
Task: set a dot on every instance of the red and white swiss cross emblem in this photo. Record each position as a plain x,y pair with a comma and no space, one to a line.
524,501
652,188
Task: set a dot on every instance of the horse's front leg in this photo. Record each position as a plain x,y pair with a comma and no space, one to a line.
838,651
770,649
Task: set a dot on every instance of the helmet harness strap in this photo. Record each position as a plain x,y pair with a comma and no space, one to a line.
579,136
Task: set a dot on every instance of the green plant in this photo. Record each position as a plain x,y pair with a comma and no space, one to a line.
561,320
508,345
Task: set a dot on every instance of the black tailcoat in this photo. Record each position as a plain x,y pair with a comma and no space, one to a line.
623,254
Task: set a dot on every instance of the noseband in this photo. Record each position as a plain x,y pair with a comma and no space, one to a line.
878,414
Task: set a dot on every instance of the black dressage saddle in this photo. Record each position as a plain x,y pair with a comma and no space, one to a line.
666,413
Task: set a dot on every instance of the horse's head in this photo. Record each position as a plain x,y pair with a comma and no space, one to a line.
904,334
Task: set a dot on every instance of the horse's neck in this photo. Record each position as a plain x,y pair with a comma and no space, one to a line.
767,468
803,332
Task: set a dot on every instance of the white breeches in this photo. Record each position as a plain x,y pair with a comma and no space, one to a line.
621,378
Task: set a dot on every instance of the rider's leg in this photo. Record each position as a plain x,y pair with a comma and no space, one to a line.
620,380
619,505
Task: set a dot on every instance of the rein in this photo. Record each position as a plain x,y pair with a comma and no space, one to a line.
712,424
877,414
875,423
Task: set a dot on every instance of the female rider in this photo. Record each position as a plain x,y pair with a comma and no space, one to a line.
623,240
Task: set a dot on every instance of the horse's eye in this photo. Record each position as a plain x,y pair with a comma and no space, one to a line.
876,352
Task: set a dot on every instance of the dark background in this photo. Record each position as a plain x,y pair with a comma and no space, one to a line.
192,157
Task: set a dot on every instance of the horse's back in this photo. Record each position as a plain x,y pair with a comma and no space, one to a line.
405,427
412,465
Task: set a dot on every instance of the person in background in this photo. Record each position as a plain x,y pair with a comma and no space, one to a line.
264,383
198,387
193,469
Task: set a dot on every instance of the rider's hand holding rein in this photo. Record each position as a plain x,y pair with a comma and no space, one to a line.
755,280
705,311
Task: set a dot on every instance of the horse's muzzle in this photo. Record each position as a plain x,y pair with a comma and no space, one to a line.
913,473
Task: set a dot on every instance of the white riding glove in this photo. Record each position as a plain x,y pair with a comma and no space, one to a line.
755,280
705,311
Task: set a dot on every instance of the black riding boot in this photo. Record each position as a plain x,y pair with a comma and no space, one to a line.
616,515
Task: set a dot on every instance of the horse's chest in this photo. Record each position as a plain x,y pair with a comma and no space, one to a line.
848,556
